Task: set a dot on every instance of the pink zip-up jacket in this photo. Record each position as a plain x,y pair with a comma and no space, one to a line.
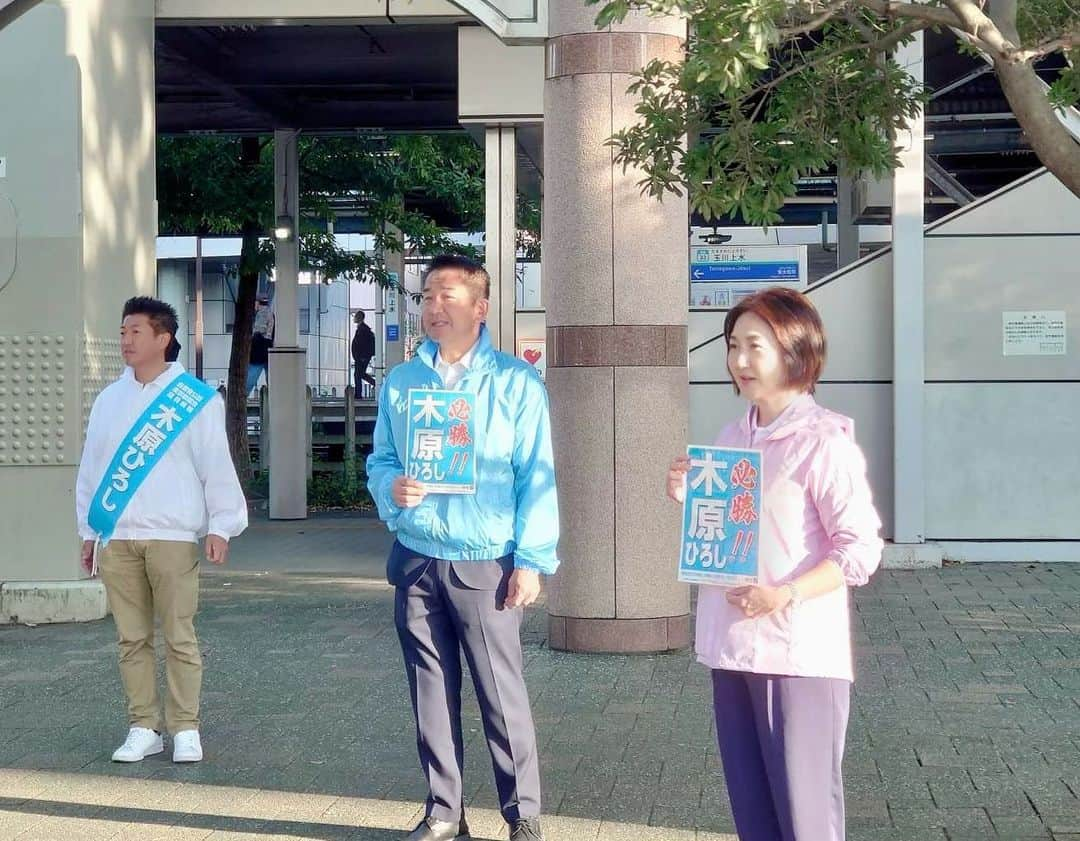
816,504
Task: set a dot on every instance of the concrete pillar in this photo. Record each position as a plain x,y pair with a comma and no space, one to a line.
908,265
615,275
288,365
500,226
847,231
77,208
394,307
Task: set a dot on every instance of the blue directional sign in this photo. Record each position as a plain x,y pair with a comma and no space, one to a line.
722,275
744,270
721,517
392,332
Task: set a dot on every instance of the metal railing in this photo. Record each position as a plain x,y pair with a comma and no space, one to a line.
339,429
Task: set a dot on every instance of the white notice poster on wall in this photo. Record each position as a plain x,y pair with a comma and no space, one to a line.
1033,333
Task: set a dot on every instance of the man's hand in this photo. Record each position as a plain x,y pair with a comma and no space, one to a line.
758,599
523,589
217,549
407,493
86,557
676,479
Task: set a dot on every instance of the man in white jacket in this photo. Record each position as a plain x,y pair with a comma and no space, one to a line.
155,476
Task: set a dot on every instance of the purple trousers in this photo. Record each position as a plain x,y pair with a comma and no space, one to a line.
782,744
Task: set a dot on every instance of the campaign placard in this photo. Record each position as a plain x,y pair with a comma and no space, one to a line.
441,440
721,517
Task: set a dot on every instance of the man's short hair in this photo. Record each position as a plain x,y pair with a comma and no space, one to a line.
359,317
162,319
473,274
162,316
798,329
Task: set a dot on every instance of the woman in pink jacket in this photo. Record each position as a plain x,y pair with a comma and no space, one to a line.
780,651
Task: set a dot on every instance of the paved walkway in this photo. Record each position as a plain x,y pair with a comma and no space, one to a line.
965,721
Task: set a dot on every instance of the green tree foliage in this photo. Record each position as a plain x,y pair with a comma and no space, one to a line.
771,91
212,185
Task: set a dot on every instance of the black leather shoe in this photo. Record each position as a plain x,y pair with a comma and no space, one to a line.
432,829
526,829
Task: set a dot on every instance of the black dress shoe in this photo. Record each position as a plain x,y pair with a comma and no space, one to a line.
526,829
432,829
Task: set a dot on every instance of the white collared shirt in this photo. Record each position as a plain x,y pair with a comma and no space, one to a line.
193,489
452,373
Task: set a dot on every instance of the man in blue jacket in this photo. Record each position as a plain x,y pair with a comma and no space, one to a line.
465,564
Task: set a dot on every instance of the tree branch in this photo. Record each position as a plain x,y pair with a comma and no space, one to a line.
1003,14
976,24
931,15
1049,139
1065,42
855,23
812,24
881,45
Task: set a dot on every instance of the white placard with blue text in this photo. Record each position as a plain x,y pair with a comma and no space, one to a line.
441,440
721,517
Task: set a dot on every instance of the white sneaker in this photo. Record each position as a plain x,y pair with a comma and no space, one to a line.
187,747
141,742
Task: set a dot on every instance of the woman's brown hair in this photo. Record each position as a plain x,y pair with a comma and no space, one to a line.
797,326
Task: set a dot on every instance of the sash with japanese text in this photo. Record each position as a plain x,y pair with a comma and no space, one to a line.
721,517
143,447
441,440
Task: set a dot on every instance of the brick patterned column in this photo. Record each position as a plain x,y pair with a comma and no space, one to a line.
615,273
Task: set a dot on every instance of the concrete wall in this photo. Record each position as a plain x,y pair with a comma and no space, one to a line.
1002,453
991,420
514,20
498,80
80,191
323,11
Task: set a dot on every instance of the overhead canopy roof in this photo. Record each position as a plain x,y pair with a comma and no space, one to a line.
239,79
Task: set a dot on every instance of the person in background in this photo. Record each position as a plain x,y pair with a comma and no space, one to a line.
262,339
363,349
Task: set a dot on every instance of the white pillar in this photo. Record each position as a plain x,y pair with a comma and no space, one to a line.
908,318
394,306
378,364
286,252
500,225
288,367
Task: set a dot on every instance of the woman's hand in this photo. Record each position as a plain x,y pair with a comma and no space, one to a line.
676,479
759,600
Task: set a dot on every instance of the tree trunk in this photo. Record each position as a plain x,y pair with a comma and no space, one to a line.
1050,140
236,394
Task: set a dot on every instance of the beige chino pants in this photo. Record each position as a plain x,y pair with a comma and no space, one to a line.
148,579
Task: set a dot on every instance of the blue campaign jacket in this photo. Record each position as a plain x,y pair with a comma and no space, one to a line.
514,510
